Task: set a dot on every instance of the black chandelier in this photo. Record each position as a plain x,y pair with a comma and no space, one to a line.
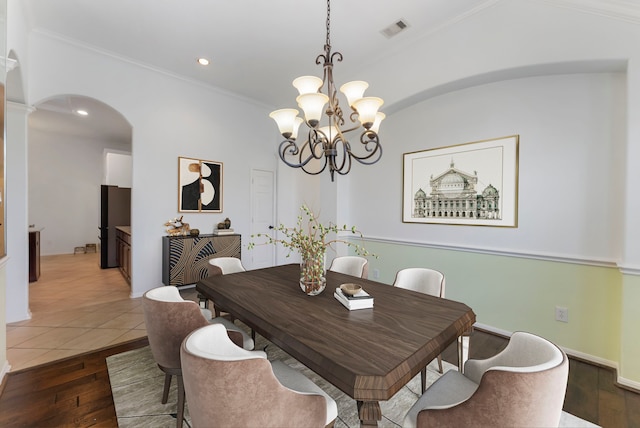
326,142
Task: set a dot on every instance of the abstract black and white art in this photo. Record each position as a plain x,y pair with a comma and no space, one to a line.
199,185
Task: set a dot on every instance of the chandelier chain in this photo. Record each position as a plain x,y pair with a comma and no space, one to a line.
328,22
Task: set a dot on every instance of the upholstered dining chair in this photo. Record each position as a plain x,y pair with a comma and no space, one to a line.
351,265
169,319
227,265
523,385
226,385
426,281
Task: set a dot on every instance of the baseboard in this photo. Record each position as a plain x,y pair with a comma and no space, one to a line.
3,373
588,358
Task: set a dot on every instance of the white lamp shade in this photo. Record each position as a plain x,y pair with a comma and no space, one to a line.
296,126
307,84
376,123
367,108
331,132
286,120
354,90
312,105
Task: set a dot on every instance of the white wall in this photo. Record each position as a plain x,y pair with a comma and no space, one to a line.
117,168
65,174
170,118
570,180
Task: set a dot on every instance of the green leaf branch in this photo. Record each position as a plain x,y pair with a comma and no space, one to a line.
310,236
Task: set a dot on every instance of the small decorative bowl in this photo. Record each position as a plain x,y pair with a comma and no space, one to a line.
350,289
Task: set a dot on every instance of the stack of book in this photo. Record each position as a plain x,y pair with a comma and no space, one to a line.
223,232
360,300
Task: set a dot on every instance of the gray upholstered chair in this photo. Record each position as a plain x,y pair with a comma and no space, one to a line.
523,385
351,265
228,386
169,319
426,281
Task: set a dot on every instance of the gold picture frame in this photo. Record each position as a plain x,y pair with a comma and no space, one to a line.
199,186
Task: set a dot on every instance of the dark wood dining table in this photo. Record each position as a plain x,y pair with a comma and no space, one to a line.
369,354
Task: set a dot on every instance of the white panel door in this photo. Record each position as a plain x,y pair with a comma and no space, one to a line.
262,217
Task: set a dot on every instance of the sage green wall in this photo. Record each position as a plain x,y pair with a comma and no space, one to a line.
513,293
630,364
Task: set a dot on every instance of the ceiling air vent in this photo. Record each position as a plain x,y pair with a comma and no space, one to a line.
395,28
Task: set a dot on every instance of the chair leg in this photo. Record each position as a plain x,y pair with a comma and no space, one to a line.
423,378
440,363
167,385
253,335
181,400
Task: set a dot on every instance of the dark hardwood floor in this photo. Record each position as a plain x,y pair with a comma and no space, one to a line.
76,392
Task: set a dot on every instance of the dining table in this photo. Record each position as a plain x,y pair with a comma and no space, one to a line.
369,354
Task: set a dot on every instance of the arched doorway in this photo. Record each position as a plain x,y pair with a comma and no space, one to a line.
70,137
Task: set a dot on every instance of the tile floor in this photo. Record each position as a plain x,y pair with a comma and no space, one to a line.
75,307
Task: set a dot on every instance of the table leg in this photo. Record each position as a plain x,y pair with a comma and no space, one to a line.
369,413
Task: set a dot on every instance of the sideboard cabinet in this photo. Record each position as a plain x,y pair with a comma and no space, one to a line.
185,259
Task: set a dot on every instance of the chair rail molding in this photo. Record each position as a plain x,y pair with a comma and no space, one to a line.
508,253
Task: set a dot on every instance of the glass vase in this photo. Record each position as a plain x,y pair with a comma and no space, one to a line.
312,273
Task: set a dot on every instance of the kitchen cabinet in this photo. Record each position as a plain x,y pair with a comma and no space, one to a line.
123,251
34,255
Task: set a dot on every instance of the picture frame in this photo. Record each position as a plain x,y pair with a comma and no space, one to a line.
199,185
474,184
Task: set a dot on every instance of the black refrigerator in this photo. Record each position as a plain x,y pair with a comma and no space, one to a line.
115,210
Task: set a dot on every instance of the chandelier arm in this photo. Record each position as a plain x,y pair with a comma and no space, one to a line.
346,155
375,153
324,166
293,150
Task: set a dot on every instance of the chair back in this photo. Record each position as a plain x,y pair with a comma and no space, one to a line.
422,280
351,265
226,385
168,320
227,265
524,385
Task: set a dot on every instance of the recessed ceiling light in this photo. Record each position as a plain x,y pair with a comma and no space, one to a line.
203,61
82,112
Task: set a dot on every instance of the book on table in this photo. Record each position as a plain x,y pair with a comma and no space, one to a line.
361,300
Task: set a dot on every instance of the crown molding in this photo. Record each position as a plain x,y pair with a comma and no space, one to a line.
622,10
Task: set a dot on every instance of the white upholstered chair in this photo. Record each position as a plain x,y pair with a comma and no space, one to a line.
229,386
426,281
168,320
523,385
227,264
351,265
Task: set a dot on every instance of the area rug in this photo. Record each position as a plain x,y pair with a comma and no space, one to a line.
136,383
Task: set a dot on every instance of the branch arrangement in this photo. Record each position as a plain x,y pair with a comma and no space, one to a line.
309,237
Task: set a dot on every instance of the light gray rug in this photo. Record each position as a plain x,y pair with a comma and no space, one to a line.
137,385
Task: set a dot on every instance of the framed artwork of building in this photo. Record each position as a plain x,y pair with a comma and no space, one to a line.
467,184
199,186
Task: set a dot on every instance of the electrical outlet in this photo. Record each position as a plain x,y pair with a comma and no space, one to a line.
562,314
376,274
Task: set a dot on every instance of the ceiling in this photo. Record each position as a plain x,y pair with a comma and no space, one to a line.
256,47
